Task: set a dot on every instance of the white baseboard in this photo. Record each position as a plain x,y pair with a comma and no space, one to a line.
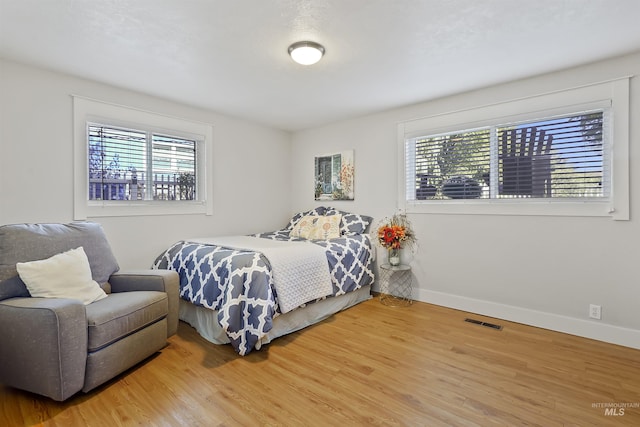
568,325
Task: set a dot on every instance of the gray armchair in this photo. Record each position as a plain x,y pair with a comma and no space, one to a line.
58,346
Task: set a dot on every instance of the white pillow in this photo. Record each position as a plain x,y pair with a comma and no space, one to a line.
66,275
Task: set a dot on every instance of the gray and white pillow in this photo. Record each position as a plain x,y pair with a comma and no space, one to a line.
319,211
351,223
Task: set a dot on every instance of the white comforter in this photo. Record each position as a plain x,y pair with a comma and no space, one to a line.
300,269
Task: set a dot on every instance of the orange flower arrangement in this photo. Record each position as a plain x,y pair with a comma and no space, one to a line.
396,232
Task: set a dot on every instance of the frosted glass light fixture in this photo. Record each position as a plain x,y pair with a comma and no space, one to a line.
306,53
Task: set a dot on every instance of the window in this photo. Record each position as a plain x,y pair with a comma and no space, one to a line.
126,164
554,157
132,162
555,160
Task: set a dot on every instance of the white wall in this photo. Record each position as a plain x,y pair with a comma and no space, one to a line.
251,165
541,270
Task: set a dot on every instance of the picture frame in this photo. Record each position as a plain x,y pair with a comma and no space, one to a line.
334,176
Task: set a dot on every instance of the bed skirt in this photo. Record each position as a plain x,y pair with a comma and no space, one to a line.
205,321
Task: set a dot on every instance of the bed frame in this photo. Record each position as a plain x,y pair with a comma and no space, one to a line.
204,320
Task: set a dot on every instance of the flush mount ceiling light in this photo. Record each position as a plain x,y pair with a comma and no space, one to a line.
306,53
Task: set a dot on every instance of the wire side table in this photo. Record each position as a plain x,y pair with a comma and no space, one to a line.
396,285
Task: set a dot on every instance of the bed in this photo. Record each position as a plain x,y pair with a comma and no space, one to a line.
249,290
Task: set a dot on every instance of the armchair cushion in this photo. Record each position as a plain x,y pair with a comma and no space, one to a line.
13,287
122,314
65,275
166,281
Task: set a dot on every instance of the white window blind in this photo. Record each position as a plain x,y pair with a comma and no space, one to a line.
560,157
129,164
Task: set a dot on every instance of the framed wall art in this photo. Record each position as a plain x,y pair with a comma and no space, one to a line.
334,175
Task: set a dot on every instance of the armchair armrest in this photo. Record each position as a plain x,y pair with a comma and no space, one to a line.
151,280
43,345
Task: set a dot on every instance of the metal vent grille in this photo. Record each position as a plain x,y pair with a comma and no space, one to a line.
486,324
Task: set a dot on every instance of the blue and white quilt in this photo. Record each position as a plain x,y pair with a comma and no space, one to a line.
239,283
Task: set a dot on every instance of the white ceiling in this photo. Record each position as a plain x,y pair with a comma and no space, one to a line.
231,56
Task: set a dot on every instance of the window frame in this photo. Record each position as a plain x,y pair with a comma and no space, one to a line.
88,111
612,95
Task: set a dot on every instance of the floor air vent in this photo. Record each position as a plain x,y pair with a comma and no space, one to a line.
481,323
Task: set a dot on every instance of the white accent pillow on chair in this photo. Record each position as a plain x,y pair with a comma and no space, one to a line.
65,275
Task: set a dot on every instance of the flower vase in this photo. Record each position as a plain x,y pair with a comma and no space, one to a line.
394,257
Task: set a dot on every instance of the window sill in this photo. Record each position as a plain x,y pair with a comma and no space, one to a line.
144,208
511,207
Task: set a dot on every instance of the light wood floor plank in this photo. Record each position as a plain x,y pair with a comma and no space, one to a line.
371,365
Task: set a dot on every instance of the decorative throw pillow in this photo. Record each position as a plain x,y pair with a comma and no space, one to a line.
65,275
351,223
325,227
303,226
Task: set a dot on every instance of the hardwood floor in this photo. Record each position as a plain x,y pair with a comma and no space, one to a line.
420,365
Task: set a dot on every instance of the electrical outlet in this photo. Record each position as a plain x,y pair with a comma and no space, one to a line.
595,311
